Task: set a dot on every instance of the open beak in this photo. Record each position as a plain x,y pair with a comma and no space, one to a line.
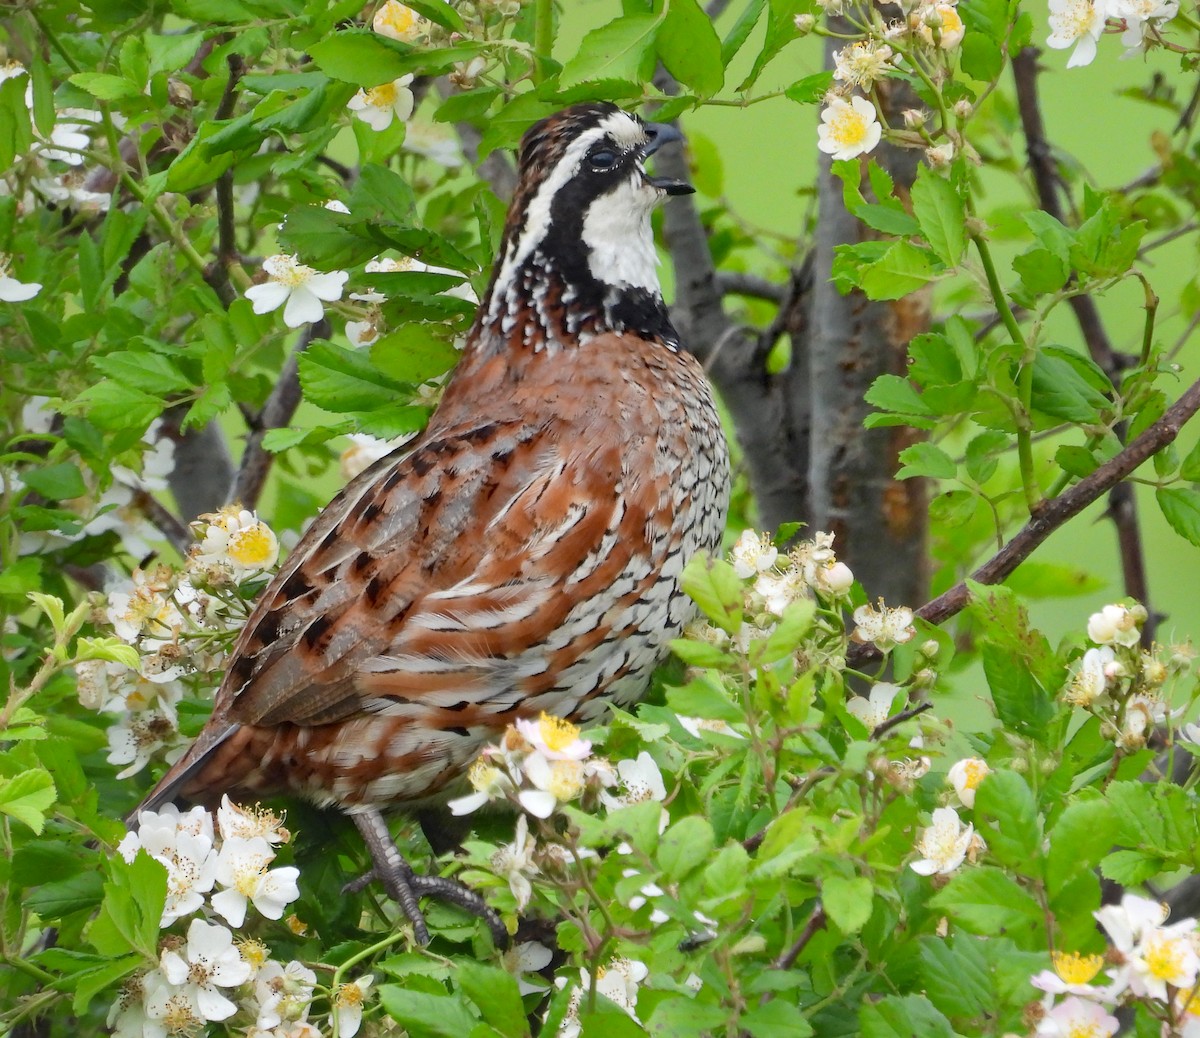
660,134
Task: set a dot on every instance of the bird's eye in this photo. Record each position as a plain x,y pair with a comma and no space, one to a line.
603,159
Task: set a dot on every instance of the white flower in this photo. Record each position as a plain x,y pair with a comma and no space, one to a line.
1078,23
1165,957
752,553
1076,1018
1129,921
211,962
695,725
874,709
555,782
1072,975
642,780
965,776
184,845
1114,624
303,289
1142,713
554,738
138,736
348,1005
336,205
527,957
437,143
236,822
283,993
834,579
489,782
362,333
170,1009
364,451
938,25
408,265
618,982
863,63
242,870
467,73
883,626
237,539
780,590
943,845
848,128
379,105
1191,732
514,861
12,290
398,22
1139,17
1091,679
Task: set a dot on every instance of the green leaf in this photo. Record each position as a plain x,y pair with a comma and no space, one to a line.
741,30
683,1017
16,129
425,1014
895,393
781,30
415,353
27,796
618,50
924,459
366,59
440,13
106,87
685,846
143,370
810,90
847,902
704,697
60,482
895,1017
1041,271
1131,868
1181,508
55,900
1083,834
715,588
494,992
1006,816
1035,579
1190,468
1076,461
113,406
956,977
786,636
941,213
778,1017
1061,391
89,983
986,901
902,269
340,380
1021,704
132,908
982,58
689,48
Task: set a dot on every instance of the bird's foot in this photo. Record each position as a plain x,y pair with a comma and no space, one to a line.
404,886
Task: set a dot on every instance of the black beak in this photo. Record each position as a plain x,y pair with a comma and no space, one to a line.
660,134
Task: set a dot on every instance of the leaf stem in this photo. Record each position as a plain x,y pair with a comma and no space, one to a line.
543,37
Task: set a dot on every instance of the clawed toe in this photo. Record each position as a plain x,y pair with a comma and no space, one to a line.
404,886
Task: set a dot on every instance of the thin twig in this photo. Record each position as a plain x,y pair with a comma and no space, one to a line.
1053,513
736,283
884,727
227,251
169,524
276,413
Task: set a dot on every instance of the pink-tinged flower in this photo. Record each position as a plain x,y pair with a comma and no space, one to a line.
1129,921
1076,1018
1073,974
752,553
489,783
398,22
302,289
210,962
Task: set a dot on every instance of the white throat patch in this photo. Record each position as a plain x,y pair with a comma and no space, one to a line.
616,230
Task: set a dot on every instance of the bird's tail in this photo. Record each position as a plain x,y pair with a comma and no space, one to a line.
172,784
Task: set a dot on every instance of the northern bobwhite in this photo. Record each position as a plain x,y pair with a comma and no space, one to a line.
524,555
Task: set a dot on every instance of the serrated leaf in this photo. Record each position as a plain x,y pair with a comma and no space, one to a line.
741,30
440,13
715,588
1082,835
151,372
366,59
689,48
1060,390
60,482
1006,815
895,393
343,380
1041,271
106,87
956,977
55,900
617,50
1130,868
986,901
27,797
895,1017
684,846
901,270
926,459
415,353
1181,508
941,213
1021,703
810,90
494,992
847,902
424,1014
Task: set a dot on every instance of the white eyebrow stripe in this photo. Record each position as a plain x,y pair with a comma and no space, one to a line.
618,125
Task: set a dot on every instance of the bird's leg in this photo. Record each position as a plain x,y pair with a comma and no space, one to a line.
405,886
392,870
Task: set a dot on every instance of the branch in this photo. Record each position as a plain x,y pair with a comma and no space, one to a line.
1054,513
275,414
169,525
735,283
227,252
1122,508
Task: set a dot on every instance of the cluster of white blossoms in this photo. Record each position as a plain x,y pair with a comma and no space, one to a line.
1155,962
52,171
948,842
810,569
1081,23
850,124
1119,682
618,981
214,875
234,545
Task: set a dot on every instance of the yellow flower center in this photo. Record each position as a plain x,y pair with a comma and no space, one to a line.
349,995
1075,968
848,128
400,20
484,777
248,876
1083,1029
974,773
297,925
254,952
382,96
1164,959
951,22
253,546
566,780
556,732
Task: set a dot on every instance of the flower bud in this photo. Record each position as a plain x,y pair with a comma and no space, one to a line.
964,109
941,156
914,118
805,23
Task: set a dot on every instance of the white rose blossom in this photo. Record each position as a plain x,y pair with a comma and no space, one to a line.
378,106
1076,1018
944,845
12,290
753,553
873,710
965,776
1077,23
348,1005
300,290
242,868
208,963
848,128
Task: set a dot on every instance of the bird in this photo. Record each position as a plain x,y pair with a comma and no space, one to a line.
523,556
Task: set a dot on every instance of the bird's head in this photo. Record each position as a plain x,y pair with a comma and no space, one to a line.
580,215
